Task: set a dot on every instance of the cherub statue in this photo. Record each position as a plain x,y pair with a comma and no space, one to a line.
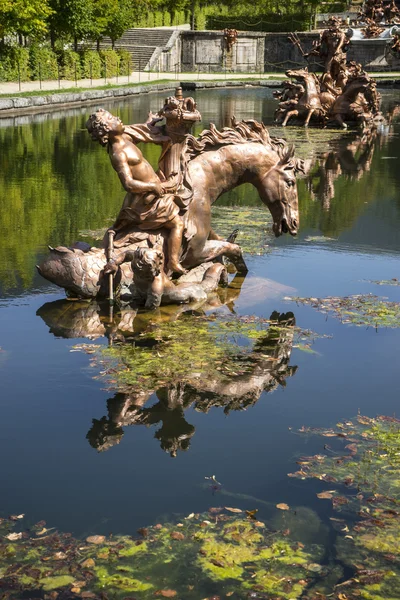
152,287
146,205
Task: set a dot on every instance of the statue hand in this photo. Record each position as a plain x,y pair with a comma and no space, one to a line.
111,267
159,189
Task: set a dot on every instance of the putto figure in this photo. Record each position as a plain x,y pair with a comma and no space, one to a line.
146,204
230,38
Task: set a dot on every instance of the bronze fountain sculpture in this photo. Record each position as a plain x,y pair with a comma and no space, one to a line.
168,214
342,94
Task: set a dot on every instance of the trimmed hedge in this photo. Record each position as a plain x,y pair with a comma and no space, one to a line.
14,63
125,62
110,63
70,64
91,64
271,23
43,63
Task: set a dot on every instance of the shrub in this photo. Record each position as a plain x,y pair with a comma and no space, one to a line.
110,63
91,64
43,62
268,23
70,64
14,63
166,19
158,18
125,62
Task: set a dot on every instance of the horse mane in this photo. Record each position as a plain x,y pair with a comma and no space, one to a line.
241,132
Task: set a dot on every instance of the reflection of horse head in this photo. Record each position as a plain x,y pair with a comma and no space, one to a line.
263,370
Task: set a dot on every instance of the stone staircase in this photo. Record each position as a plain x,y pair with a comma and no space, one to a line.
141,43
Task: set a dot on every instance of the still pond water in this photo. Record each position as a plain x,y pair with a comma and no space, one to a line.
56,187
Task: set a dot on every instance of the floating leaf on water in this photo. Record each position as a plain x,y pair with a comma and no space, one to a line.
325,495
95,539
314,567
166,593
16,517
177,535
14,536
89,563
44,531
361,310
233,510
283,506
143,531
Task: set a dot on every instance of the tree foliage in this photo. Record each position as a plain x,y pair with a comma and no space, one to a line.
24,17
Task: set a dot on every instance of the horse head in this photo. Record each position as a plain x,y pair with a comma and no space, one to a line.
300,75
278,190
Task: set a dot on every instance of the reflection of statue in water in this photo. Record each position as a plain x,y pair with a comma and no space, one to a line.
349,158
124,410
268,367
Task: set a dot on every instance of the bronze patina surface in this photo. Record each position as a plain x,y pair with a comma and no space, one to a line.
343,93
171,210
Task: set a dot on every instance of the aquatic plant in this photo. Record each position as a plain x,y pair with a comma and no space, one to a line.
362,309
365,477
222,551
224,347
253,222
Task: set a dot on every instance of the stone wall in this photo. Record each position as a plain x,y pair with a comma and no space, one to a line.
206,52
254,52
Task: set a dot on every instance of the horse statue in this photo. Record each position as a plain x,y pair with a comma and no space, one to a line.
343,92
215,162
359,102
308,103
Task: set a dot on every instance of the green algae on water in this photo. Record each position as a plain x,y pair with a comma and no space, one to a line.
363,309
254,224
213,551
223,347
361,466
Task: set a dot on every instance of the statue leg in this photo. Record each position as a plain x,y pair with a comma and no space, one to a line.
310,114
215,248
174,244
214,236
289,115
339,120
231,238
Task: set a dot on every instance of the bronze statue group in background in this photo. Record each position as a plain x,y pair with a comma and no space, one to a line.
344,93
376,12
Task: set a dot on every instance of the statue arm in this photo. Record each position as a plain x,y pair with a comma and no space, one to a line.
191,115
113,264
148,132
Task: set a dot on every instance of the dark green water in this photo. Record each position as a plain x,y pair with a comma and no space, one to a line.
55,183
